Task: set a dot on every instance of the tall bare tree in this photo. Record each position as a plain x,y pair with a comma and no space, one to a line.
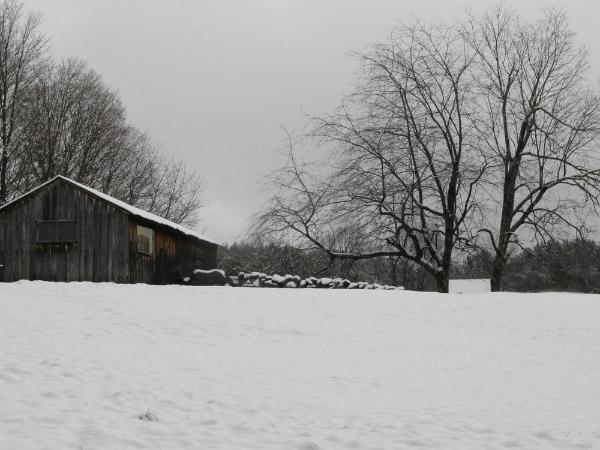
407,170
75,125
22,46
539,123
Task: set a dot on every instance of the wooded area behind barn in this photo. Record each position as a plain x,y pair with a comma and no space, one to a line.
64,231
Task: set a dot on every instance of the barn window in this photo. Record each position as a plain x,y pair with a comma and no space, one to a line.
49,231
145,240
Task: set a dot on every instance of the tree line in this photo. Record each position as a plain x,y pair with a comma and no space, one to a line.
556,265
477,136
61,118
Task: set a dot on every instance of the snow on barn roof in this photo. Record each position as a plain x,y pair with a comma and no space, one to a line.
122,205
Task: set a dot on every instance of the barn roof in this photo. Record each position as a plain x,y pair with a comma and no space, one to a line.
121,205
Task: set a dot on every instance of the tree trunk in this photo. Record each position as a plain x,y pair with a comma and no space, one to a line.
3,170
497,272
443,281
394,277
504,234
499,263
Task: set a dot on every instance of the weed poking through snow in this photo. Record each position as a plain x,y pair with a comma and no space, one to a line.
148,416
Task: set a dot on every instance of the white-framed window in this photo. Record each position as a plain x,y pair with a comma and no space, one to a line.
145,240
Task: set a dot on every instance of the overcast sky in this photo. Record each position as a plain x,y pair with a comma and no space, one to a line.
213,81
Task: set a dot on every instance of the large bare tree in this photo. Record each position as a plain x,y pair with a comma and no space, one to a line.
406,167
75,125
539,124
22,46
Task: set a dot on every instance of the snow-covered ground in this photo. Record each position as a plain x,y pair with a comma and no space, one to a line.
241,368
476,286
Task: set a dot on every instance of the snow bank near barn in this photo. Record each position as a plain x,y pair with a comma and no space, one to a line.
103,366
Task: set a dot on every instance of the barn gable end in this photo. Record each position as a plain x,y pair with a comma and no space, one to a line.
98,252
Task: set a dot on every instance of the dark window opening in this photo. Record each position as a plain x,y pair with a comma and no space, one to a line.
49,231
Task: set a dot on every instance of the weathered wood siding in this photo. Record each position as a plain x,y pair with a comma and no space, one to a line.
174,256
101,250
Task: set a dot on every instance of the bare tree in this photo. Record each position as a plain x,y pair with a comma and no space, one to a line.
134,172
174,192
22,46
539,125
74,125
407,169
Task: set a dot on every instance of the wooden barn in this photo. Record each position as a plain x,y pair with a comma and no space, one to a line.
65,231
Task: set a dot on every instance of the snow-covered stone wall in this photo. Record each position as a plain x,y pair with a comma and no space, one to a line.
258,279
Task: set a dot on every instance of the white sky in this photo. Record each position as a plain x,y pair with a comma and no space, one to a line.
213,81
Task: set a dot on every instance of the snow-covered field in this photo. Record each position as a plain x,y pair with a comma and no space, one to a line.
241,368
477,286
